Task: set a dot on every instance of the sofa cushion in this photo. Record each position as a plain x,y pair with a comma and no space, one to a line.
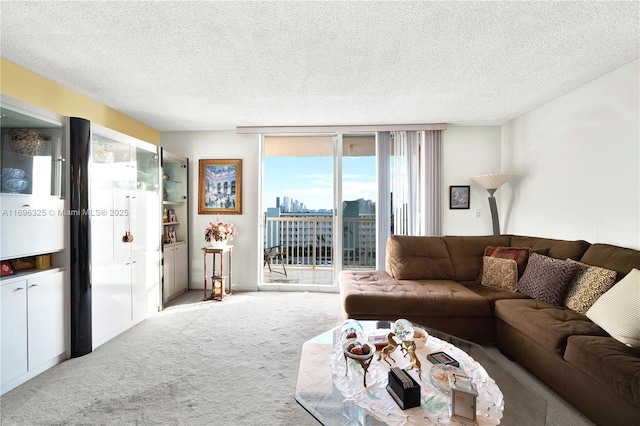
499,272
618,310
546,278
367,292
587,285
466,253
416,258
519,254
492,294
609,362
548,325
558,249
620,259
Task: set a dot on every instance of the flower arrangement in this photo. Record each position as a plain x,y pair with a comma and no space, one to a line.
219,231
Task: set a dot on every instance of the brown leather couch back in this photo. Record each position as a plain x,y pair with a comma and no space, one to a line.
620,259
417,258
466,253
559,249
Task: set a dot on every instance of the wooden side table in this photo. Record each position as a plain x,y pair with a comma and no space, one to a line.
217,278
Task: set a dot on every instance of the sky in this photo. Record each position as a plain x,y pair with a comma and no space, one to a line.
309,180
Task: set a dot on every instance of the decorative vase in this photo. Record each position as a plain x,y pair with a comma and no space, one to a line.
218,244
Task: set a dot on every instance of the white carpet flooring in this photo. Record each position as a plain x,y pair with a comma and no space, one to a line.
228,363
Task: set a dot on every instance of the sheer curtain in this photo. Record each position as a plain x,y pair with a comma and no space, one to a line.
410,166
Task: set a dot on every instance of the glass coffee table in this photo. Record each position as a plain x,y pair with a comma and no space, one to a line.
320,362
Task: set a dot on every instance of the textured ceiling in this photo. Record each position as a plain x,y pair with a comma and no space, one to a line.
217,65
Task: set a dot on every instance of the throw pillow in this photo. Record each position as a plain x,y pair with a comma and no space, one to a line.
519,254
546,279
587,285
618,310
498,272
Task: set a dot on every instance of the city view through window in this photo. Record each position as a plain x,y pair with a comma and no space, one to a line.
298,199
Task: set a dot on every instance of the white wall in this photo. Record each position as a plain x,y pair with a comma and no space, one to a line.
466,152
222,145
578,164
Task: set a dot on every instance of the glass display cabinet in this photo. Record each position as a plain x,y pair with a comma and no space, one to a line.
32,155
122,164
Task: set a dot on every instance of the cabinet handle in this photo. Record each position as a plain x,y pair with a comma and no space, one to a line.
18,289
33,285
61,159
128,263
135,261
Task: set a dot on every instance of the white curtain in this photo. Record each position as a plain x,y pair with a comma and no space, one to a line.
416,182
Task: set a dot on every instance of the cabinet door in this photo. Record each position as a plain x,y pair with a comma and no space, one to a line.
102,228
13,316
144,287
168,284
181,275
46,318
123,212
110,300
31,225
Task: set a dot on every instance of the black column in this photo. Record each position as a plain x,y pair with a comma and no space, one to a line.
80,226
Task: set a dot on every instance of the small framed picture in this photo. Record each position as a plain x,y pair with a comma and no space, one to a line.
459,197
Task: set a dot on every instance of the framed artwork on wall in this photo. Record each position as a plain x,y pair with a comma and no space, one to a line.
220,187
459,197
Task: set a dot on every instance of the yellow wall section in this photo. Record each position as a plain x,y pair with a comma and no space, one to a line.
24,85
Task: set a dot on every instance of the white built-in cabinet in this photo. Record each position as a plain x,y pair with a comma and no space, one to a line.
175,221
33,325
34,303
125,202
175,270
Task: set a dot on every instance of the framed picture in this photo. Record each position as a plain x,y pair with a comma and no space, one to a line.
459,197
220,187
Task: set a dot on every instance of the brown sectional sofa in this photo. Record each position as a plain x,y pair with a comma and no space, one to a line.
434,281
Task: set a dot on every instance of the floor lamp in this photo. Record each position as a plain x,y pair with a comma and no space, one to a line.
491,183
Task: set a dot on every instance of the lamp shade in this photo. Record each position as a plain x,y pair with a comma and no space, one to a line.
492,181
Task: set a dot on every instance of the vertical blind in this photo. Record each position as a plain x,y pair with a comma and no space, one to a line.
415,177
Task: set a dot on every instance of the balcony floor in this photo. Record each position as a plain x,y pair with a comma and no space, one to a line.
299,275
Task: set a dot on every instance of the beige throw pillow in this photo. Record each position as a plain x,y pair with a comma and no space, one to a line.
618,310
587,285
498,272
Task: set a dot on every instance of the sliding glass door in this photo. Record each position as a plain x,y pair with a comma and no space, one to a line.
318,197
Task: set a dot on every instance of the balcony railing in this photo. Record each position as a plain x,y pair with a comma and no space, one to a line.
308,242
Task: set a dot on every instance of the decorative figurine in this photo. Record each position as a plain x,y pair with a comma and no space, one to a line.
415,362
387,350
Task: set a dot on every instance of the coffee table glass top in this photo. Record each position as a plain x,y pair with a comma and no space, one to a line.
316,390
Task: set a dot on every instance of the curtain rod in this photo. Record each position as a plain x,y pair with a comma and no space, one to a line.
340,129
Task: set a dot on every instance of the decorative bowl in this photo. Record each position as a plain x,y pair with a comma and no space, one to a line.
439,376
11,173
26,141
420,337
14,185
367,349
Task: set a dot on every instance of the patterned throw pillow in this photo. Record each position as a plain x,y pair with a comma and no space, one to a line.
589,283
519,254
618,310
546,279
501,273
